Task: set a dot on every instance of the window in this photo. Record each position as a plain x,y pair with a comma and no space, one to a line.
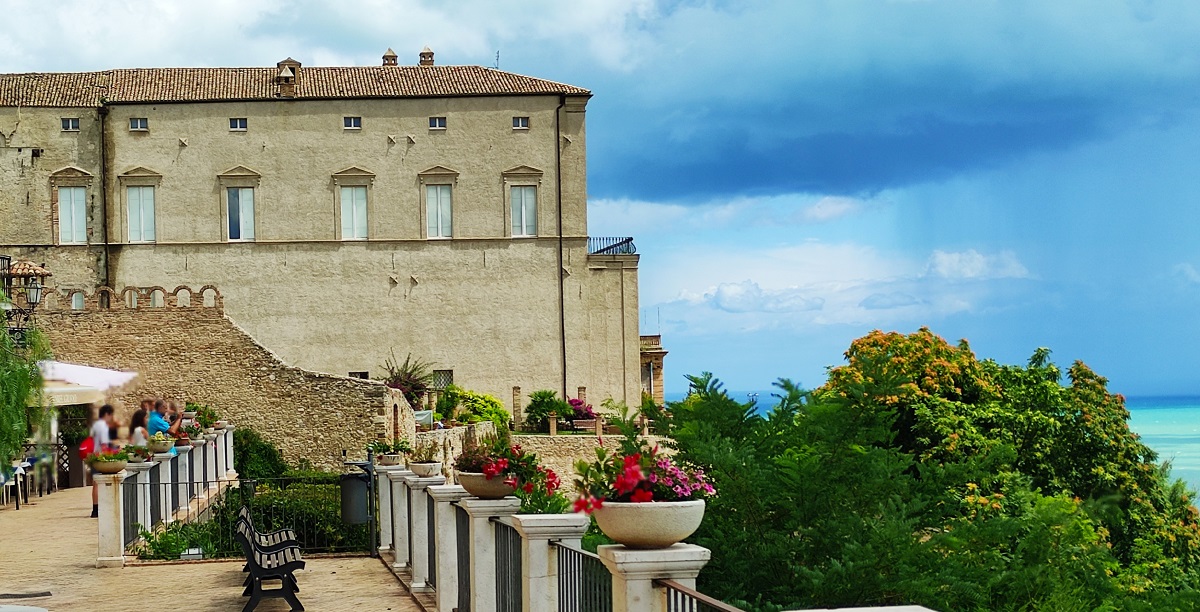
141,213
354,212
237,124
241,212
362,375
520,123
72,215
77,300
442,379
352,123
524,210
437,210
437,123
70,124
139,124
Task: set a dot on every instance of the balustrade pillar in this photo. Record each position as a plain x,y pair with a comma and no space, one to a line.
539,561
210,461
383,489
446,544
400,536
220,448
483,546
110,538
419,529
197,468
230,470
182,485
634,572
162,490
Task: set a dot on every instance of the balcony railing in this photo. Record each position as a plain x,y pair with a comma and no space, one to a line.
611,245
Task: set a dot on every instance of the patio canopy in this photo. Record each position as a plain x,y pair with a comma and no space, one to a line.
70,383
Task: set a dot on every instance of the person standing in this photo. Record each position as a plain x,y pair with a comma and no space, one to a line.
101,441
138,434
159,423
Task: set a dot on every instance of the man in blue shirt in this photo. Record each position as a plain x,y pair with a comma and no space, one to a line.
158,421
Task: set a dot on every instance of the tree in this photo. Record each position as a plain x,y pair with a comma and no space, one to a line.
20,382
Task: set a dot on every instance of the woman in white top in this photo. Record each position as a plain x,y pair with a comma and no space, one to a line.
138,436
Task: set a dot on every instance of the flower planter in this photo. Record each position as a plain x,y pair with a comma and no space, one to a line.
137,459
161,446
389,459
425,470
183,442
209,430
108,467
649,524
198,442
220,424
478,485
189,414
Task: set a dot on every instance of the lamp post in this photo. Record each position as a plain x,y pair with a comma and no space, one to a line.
24,279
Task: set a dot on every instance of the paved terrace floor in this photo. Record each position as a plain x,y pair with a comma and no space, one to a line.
49,545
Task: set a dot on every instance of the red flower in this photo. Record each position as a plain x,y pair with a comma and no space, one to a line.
634,459
642,495
511,481
528,487
629,479
582,505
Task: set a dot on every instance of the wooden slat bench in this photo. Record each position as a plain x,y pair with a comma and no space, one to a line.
279,561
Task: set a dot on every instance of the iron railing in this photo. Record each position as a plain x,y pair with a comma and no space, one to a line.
431,526
611,245
681,598
175,479
584,584
129,510
508,568
462,522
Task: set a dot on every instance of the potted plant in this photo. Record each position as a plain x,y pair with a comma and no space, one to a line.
195,432
641,497
108,461
189,410
160,443
494,469
424,460
138,454
543,406
206,417
389,453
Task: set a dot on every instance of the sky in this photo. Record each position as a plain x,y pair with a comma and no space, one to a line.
797,173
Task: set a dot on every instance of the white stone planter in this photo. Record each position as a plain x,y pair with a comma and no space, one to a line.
108,467
388,459
649,524
478,485
161,446
425,470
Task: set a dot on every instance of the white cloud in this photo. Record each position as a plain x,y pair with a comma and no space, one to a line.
973,265
831,207
1187,272
747,296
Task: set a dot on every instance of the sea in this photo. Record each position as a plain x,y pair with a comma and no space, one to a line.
1169,425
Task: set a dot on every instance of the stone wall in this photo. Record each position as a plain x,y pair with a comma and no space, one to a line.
194,352
560,453
452,440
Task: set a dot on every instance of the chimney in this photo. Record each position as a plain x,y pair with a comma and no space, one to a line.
426,57
389,58
289,73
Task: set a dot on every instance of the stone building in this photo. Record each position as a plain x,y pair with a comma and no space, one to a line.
343,212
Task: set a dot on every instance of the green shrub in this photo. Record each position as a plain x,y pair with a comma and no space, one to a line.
542,405
487,408
448,400
255,458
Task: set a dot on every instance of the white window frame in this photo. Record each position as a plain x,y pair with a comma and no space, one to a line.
525,212
522,176
70,124
437,175
139,124
145,232
238,124
351,123
245,210
520,123
72,214
439,211
437,123
77,302
354,217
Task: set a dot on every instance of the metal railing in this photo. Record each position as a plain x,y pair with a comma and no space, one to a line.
431,525
129,510
681,598
462,522
508,568
611,245
584,584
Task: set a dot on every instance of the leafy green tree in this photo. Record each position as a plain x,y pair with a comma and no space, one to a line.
21,385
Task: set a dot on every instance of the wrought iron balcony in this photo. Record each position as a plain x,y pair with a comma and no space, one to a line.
611,245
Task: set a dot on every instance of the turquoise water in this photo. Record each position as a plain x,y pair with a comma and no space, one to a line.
1169,425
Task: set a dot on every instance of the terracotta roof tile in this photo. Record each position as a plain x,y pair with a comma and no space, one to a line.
25,268
211,84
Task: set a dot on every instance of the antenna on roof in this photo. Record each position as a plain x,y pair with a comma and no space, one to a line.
497,66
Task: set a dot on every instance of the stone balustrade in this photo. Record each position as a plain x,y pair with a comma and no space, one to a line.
167,488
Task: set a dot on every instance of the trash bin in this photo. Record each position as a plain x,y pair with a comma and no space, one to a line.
354,499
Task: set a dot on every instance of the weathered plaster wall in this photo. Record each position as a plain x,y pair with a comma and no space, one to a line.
198,354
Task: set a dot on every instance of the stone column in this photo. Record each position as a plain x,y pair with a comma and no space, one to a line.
229,467
210,460
110,539
399,496
383,488
197,468
162,463
182,485
418,532
446,544
539,561
483,546
140,472
634,572
220,447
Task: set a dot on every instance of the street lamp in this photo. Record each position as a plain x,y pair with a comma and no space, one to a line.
30,285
